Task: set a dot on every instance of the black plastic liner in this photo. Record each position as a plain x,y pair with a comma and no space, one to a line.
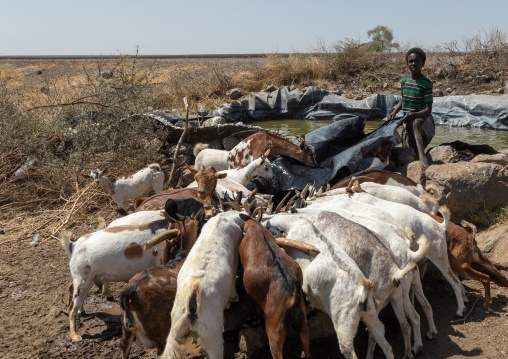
482,111
340,147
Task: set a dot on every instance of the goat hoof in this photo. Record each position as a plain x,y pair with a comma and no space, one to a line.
81,314
459,315
76,338
431,335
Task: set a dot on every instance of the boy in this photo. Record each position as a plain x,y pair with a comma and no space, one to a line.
416,104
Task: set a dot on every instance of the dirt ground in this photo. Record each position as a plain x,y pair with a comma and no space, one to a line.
34,323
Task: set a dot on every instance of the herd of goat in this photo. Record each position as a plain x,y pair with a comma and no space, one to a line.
351,249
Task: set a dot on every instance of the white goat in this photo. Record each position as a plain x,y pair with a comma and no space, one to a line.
131,187
260,167
334,283
109,255
204,287
388,234
425,203
374,258
420,223
217,159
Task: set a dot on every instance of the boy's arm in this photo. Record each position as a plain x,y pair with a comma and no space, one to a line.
395,110
419,114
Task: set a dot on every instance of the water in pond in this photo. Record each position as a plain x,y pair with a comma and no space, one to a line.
497,139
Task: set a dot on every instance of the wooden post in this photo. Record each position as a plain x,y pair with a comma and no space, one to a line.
182,137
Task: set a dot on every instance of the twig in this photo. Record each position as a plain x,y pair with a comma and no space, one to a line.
19,204
470,311
182,137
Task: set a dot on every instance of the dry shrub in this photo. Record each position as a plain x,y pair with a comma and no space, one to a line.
280,70
350,57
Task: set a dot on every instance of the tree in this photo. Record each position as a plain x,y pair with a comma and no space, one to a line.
382,39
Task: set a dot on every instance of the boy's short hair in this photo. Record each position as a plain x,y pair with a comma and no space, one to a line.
418,51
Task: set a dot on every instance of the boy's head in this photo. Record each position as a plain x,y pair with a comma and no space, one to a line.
417,51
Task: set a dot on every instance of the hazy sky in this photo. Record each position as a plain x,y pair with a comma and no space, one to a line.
110,27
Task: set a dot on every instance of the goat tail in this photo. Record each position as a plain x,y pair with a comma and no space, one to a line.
67,245
446,213
423,247
183,317
431,202
402,272
433,190
365,289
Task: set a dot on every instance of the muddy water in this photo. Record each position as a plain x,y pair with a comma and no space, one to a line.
497,139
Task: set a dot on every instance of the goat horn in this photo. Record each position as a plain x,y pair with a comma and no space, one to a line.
502,170
467,224
305,191
251,195
281,203
160,238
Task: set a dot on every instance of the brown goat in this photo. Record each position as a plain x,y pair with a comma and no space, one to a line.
157,201
148,298
463,251
274,281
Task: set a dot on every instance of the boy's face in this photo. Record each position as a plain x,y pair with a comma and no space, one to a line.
415,64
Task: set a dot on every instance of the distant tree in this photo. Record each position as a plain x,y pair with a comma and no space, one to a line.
382,39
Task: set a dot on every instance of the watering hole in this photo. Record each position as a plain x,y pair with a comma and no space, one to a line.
496,139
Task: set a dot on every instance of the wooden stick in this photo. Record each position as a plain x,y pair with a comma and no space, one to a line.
161,237
182,137
299,246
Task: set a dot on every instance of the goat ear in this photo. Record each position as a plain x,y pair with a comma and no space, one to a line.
193,170
266,153
221,175
244,217
200,214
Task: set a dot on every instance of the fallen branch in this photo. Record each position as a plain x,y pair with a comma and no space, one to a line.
182,137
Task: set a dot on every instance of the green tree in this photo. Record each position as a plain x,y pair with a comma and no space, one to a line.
382,39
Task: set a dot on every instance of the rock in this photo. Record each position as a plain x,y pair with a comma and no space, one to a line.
251,340
449,90
441,73
438,93
504,151
498,158
185,149
216,145
186,178
385,85
501,90
441,154
45,90
201,111
2,231
506,88
402,156
234,94
217,120
416,171
230,142
107,74
338,92
494,244
271,88
468,186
